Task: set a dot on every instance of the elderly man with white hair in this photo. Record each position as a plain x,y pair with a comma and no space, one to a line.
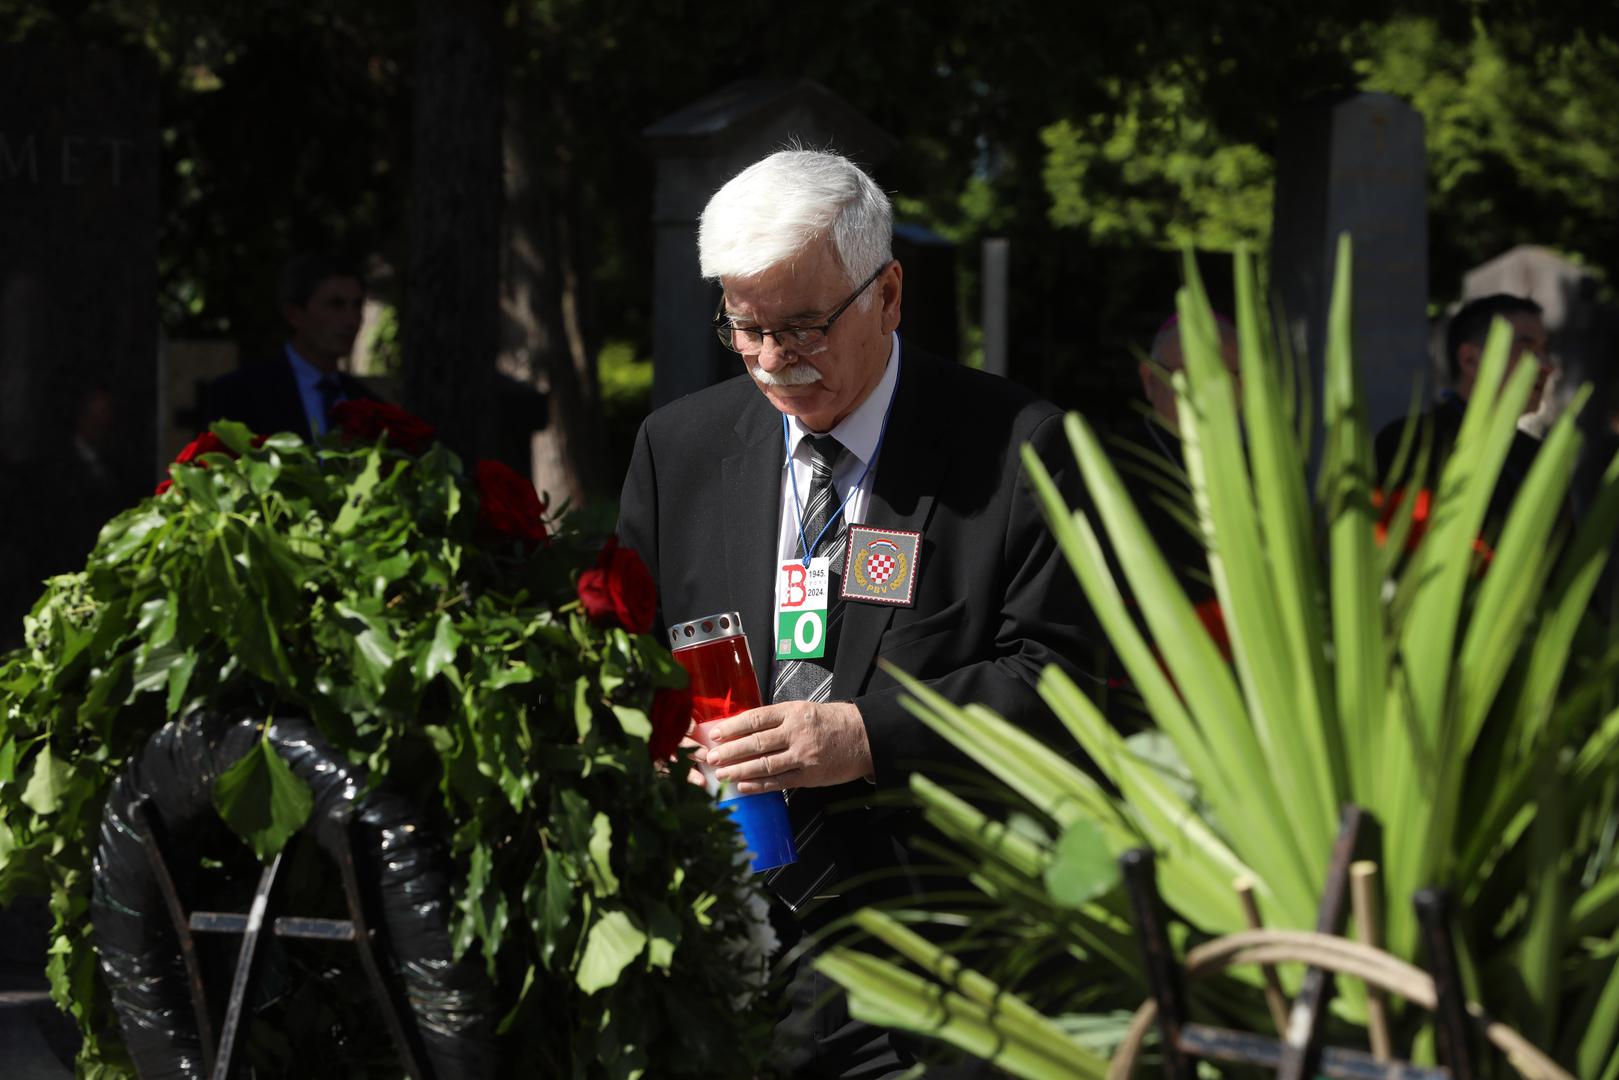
840,451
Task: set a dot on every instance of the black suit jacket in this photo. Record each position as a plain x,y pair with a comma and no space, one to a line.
1444,421
995,603
264,396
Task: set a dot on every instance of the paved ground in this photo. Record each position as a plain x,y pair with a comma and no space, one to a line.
37,1042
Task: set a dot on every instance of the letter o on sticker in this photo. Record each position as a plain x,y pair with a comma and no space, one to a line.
807,632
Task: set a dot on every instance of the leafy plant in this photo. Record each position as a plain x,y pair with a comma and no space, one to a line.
431,626
1466,702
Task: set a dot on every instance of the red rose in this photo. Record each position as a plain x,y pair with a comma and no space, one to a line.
508,504
1213,620
619,590
364,420
671,719
206,443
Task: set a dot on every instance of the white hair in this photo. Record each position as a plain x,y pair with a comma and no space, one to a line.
1166,345
776,208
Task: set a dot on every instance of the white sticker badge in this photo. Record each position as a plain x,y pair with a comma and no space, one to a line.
801,599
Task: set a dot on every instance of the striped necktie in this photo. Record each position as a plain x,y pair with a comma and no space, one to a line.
811,680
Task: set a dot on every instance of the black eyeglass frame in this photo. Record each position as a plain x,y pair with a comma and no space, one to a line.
727,333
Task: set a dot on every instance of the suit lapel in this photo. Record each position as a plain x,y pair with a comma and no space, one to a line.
752,479
910,465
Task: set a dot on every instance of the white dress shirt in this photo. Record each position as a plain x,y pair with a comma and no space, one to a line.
859,432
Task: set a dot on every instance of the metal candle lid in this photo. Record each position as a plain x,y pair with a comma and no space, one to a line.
727,624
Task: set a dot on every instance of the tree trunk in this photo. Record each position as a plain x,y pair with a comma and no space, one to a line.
547,342
452,323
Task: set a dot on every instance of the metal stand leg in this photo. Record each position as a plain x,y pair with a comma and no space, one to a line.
1163,973
146,828
246,960
1450,1010
1300,1045
405,1036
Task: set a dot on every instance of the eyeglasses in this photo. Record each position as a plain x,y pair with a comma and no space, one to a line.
750,339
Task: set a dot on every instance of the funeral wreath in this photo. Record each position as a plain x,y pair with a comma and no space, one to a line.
485,665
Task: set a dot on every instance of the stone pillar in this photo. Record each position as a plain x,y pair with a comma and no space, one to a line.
1356,165
994,315
697,150
79,219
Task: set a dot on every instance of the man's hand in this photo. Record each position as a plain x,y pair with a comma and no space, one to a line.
791,744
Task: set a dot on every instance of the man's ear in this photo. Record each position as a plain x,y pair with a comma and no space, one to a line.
293,315
889,287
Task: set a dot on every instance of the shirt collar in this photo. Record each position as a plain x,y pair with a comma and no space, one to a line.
306,373
860,431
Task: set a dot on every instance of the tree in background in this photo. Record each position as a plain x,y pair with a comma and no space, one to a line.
1129,126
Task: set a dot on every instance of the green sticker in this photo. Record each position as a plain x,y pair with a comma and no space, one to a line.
801,635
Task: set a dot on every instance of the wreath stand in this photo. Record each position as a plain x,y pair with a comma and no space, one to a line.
219,1060
1296,1052
159,810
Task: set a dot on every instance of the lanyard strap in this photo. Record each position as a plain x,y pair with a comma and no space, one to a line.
798,506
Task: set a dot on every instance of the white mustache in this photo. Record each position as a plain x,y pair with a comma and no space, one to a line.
791,375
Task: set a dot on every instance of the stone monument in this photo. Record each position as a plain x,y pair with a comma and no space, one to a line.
79,224
1356,165
697,150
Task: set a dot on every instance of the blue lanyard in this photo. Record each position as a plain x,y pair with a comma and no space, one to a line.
798,505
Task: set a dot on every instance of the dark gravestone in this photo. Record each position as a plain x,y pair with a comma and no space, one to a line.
698,149
1356,165
78,315
929,317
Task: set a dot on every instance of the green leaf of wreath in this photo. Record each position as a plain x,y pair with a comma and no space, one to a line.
262,800
612,944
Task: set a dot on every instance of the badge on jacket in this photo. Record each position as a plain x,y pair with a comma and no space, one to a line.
880,565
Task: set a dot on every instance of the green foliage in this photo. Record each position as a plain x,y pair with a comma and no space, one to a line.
1151,167
626,380
355,584
1463,701
261,799
1517,132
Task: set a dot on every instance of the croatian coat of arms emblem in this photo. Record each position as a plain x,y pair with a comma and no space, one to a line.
881,565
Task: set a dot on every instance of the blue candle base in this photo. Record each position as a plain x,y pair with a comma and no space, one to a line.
765,828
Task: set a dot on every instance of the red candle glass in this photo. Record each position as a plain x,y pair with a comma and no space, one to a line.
714,652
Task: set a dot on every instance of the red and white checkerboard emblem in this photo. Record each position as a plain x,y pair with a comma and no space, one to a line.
880,566
881,560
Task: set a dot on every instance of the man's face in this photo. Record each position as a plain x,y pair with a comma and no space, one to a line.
1161,395
324,329
1529,343
825,383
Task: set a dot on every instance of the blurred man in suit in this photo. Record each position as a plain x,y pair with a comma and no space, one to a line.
1464,350
321,298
